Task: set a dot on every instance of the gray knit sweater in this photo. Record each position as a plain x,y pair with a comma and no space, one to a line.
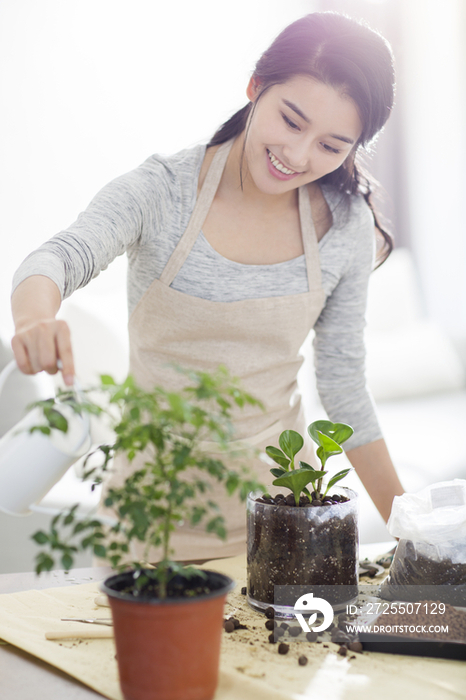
145,212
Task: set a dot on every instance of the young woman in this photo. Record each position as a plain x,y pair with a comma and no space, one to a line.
239,248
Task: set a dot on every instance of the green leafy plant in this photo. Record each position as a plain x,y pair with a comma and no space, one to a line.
167,428
329,437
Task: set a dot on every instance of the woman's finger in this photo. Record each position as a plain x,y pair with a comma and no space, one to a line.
21,355
65,352
43,352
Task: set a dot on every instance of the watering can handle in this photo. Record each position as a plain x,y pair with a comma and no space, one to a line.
12,365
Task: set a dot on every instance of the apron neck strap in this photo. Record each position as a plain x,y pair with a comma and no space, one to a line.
199,215
310,243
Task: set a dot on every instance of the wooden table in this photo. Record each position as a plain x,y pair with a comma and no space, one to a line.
24,677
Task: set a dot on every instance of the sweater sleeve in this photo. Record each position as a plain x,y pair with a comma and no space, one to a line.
116,218
339,347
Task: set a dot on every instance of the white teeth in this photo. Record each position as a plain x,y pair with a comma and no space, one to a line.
276,163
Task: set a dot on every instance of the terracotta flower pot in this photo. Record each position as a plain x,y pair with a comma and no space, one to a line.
168,649
312,547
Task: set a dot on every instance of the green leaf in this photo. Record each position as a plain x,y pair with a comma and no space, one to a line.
44,429
44,562
197,514
277,456
217,526
232,483
316,475
276,471
342,432
305,465
338,477
67,561
178,406
134,413
107,380
181,455
56,419
339,432
290,442
93,523
330,446
100,550
68,519
297,480
40,537
79,527
318,426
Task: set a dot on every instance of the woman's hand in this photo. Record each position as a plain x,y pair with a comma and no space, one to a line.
39,345
40,340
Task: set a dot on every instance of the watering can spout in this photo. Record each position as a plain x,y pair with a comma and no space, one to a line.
32,463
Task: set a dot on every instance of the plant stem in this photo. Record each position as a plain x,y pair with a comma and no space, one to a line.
165,544
319,483
166,532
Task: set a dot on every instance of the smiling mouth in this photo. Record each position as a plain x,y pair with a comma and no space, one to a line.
279,166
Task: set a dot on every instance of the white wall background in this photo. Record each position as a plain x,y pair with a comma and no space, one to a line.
90,88
432,92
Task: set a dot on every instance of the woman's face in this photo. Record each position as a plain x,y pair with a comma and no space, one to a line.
300,131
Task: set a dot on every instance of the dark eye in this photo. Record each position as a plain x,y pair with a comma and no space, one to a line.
329,149
291,124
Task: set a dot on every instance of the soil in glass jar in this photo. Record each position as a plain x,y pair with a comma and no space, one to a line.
312,546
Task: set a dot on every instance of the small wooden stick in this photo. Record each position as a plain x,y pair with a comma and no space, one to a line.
97,632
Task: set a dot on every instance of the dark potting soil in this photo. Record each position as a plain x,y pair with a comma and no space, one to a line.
231,624
178,587
315,500
412,575
285,551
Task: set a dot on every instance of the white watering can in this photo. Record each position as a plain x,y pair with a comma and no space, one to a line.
32,463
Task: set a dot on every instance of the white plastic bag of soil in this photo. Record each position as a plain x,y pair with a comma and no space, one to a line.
430,559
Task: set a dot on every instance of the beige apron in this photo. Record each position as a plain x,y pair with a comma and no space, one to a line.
257,339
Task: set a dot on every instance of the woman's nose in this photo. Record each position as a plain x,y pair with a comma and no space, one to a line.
298,153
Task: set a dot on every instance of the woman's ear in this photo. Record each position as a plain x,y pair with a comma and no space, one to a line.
253,89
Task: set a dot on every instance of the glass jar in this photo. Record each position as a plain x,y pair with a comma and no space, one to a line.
305,548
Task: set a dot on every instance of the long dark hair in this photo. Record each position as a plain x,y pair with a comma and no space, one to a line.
346,55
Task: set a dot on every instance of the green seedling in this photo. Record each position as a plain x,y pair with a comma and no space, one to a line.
329,437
